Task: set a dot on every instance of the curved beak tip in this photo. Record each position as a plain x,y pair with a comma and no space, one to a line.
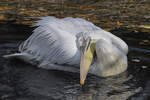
82,82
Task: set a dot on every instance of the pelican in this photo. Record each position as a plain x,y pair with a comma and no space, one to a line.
76,45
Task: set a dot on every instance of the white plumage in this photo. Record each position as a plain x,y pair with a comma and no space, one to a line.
54,41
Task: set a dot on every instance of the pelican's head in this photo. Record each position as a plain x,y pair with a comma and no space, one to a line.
111,55
87,47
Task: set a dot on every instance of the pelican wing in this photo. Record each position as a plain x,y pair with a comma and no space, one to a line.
54,40
69,24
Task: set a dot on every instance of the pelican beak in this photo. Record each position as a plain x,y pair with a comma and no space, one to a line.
87,54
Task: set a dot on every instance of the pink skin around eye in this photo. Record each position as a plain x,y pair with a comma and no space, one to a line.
81,40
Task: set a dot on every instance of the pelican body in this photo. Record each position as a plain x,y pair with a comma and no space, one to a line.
76,45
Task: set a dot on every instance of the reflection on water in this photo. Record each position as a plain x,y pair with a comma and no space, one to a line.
27,82
31,81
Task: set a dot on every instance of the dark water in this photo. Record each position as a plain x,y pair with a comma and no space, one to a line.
21,81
